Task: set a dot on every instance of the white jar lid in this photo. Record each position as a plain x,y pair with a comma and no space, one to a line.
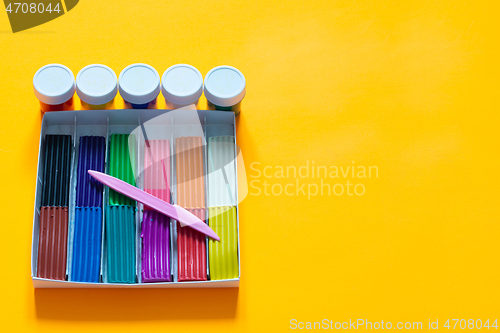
225,86
96,84
54,84
139,83
182,84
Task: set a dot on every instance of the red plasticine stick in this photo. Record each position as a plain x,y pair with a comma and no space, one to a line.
191,252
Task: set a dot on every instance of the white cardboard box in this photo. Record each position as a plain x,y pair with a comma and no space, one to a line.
158,124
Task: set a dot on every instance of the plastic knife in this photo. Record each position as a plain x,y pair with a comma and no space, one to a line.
184,217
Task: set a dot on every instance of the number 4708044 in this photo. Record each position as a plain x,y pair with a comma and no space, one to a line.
470,324
20,7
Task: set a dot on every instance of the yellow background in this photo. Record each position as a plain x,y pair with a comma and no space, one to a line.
408,86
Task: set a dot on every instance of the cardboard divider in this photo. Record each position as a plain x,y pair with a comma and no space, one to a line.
104,201
153,124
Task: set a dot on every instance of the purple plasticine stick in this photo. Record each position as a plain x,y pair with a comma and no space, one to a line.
155,247
176,212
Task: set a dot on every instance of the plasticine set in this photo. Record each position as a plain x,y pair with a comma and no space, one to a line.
86,234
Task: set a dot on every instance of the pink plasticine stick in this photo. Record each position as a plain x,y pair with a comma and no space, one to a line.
176,212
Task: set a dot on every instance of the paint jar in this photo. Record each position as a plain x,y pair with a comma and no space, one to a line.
181,85
225,87
54,86
96,85
139,85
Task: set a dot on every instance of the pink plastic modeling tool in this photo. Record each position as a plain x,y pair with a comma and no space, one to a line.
176,212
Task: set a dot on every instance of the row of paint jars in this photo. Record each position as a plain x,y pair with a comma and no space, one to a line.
139,85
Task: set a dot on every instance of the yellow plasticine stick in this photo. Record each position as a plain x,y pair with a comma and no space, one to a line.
223,255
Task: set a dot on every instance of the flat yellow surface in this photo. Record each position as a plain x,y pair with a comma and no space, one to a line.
411,87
